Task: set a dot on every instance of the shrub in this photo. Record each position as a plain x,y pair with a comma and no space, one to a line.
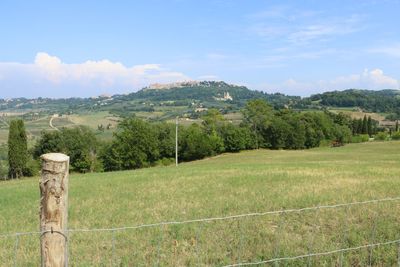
165,161
396,136
360,138
32,168
381,136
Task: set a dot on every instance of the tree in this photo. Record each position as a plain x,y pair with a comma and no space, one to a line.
211,122
166,139
369,126
359,126
397,126
234,137
258,115
79,143
135,145
212,119
277,133
364,125
195,143
17,149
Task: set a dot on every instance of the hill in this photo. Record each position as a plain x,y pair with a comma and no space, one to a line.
156,102
188,100
387,101
186,97
247,182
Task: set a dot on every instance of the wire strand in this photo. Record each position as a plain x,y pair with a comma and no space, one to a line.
230,217
314,254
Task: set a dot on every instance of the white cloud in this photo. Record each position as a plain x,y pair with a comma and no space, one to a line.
374,79
302,27
369,79
93,76
327,29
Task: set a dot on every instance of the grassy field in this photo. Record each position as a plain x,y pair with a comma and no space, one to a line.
251,181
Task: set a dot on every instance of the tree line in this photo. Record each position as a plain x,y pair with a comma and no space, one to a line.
375,101
138,143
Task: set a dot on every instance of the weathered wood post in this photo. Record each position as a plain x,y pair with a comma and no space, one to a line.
54,210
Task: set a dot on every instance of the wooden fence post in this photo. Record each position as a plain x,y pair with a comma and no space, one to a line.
54,210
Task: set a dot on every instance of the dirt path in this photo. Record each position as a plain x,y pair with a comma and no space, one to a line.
51,122
5,122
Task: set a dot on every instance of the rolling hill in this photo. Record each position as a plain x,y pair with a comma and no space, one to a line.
187,95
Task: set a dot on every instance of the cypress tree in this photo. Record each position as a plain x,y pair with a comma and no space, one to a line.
364,125
17,149
369,126
354,124
359,126
397,126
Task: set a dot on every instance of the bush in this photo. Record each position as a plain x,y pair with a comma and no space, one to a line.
32,168
360,138
165,161
381,136
3,170
396,136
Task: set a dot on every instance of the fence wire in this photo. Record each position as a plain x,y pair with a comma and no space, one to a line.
277,243
314,254
255,214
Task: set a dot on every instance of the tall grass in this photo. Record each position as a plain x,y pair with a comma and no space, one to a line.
251,181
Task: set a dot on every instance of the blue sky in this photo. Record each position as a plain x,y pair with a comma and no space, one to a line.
87,48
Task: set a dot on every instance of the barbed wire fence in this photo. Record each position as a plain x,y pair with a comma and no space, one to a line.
367,236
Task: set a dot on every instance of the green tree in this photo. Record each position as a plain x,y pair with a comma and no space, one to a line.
195,143
49,142
359,126
135,145
369,126
258,116
364,125
17,149
234,137
397,126
79,143
166,139
212,119
277,133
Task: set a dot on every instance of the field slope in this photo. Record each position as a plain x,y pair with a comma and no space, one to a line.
251,181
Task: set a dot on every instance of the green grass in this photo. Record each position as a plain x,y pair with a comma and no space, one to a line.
251,181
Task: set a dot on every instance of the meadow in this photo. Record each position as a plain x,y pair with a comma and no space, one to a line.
229,184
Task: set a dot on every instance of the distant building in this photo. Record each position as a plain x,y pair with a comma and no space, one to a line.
173,85
226,97
200,109
389,124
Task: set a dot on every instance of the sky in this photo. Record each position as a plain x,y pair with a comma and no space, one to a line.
88,48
